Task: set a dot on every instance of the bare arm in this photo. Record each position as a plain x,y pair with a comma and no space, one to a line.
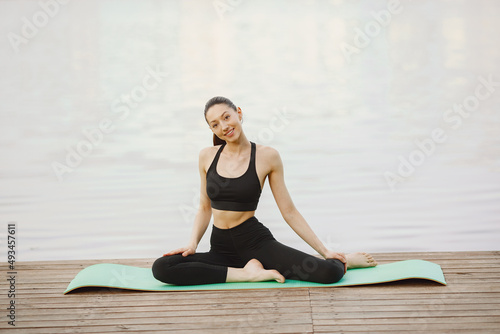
288,210
202,218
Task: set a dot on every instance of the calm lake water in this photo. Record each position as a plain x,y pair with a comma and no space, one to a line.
386,118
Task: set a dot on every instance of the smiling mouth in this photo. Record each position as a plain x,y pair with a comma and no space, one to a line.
229,133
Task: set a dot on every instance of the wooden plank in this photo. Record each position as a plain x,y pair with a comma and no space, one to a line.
34,313
405,320
429,306
185,321
197,328
327,317
320,299
487,300
110,292
415,326
140,303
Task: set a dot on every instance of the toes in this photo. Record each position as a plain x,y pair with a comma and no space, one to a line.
369,257
278,277
370,260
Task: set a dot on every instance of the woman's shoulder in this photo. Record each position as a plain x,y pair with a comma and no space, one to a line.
209,149
267,152
265,148
208,153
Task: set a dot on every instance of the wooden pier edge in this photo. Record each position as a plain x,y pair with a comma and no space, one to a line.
470,303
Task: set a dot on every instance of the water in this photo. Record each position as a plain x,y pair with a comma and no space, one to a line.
340,120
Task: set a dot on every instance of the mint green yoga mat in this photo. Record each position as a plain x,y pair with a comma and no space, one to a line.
135,278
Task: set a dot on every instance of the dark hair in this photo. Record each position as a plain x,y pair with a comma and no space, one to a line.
212,102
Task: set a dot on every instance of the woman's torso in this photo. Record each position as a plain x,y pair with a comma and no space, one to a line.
229,168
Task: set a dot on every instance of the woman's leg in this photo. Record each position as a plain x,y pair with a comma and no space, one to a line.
199,268
297,265
207,268
253,240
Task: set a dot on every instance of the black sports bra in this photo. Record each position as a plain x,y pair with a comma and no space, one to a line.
234,194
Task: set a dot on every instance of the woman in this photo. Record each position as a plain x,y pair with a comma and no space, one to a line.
233,173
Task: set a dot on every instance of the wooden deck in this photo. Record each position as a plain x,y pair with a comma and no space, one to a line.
470,303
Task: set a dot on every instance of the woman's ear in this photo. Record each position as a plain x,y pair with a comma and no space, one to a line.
240,114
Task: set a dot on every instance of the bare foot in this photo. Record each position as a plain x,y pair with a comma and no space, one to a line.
360,260
257,273
253,272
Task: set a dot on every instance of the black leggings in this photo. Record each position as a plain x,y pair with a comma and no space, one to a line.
236,246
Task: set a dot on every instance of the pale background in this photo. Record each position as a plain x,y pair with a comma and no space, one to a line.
340,123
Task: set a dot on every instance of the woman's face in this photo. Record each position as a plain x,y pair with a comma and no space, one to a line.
224,121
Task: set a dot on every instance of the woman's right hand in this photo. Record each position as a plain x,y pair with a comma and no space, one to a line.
185,251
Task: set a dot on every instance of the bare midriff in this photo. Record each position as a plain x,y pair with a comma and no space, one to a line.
229,219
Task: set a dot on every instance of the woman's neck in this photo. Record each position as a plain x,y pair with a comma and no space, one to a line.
237,146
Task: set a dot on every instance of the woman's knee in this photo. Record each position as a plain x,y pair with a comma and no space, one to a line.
316,270
162,265
331,271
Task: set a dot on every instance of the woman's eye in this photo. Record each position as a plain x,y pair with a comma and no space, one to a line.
214,126
227,116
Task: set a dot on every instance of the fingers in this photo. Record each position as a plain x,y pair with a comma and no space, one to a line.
342,257
188,251
185,251
339,256
175,251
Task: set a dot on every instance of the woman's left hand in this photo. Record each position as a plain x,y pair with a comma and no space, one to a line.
339,256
